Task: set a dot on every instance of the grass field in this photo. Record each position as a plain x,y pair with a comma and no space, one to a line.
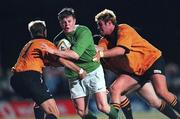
137,115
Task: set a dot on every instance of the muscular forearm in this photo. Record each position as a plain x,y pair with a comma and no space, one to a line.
112,52
69,65
68,54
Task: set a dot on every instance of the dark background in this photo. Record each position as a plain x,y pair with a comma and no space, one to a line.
157,20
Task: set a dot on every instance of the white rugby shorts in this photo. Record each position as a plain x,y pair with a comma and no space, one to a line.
94,82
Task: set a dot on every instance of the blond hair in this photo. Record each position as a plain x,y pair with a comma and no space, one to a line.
106,15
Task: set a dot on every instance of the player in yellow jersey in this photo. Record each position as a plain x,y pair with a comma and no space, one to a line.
134,59
27,80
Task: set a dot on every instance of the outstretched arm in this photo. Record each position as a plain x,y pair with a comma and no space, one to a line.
55,60
116,51
113,52
68,54
69,64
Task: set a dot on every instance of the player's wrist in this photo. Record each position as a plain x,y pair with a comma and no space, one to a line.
81,71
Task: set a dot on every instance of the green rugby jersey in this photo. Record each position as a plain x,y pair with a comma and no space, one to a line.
83,44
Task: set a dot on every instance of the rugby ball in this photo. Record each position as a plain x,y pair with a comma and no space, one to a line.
64,44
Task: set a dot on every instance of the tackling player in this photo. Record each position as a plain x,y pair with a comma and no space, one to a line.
138,60
27,80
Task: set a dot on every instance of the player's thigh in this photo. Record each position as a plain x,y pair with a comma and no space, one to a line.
148,93
95,81
157,75
77,88
159,82
123,83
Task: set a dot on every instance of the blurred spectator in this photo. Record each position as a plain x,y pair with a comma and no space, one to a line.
173,77
6,92
56,81
1,78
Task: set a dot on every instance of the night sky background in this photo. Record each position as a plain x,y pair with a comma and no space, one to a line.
158,21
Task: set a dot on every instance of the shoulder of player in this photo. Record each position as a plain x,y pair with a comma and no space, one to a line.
124,26
82,28
124,29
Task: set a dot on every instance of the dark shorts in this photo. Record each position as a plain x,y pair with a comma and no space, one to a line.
30,84
158,67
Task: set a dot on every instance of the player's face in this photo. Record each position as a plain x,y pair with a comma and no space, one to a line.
68,24
104,28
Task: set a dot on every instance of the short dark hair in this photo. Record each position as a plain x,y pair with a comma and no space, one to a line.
37,28
65,12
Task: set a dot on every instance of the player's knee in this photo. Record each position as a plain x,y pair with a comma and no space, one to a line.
161,92
81,112
155,103
52,110
114,90
50,107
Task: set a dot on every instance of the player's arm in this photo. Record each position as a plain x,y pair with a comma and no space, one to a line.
56,61
69,54
122,47
69,64
113,52
105,53
59,61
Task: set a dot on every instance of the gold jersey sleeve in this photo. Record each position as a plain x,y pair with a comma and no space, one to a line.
27,61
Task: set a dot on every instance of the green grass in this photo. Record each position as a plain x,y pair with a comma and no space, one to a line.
137,115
